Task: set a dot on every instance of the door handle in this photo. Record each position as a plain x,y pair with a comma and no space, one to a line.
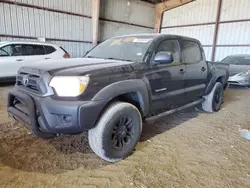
182,71
19,60
47,58
203,69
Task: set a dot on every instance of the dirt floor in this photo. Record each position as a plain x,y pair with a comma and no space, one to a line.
186,149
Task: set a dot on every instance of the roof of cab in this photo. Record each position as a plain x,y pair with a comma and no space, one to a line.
155,35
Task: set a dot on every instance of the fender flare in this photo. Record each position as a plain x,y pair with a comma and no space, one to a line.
214,77
123,87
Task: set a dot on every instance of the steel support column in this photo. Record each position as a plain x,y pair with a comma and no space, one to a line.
95,21
216,29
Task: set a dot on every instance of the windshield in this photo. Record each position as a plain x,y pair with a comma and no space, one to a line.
123,48
236,60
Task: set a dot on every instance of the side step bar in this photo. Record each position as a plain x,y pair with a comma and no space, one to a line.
174,110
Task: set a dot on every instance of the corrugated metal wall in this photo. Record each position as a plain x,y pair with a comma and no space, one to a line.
234,38
197,19
203,33
76,6
126,11
235,9
68,22
200,11
193,14
69,31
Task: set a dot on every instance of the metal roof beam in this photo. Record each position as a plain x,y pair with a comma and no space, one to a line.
164,6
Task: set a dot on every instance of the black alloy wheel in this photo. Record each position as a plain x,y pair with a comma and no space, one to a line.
122,133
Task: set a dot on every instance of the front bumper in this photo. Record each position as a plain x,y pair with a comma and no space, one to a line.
239,80
46,115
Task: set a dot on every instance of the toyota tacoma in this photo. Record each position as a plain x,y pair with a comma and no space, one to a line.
117,85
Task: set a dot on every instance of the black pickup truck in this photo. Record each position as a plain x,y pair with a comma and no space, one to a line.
119,83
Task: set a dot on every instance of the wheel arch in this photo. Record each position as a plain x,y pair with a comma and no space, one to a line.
218,76
133,91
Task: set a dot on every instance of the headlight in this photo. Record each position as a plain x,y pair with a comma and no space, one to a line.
69,86
244,73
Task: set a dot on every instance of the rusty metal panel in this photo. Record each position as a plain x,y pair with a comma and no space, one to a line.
235,10
208,53
203,33
234,33
200,11
110,29
75,6
222,52
130,11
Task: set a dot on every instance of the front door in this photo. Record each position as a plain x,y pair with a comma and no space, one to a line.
167,80
196,70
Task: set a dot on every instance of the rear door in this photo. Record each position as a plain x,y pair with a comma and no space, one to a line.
33,53
167,80
196,70
11,59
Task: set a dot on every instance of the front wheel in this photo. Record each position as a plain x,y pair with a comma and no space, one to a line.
117,132
212,102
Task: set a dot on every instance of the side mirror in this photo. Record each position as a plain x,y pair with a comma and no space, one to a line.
163,58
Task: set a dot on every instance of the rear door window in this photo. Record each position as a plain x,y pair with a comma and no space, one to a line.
191,52
34,50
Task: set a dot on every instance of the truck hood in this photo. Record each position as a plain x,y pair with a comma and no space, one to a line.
75,66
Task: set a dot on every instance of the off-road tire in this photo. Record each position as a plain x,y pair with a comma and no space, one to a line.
101,137
212,102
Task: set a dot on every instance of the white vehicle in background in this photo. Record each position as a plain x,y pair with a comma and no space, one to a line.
16,54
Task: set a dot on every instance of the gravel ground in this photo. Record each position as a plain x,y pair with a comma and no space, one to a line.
186,149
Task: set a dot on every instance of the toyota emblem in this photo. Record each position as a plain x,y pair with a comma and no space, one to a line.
25,80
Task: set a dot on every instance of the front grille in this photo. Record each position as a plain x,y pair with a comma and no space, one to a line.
31,82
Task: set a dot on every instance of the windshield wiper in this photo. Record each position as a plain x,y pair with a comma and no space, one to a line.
118,59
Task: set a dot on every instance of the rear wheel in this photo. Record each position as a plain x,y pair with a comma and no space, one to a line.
212,102
117,132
